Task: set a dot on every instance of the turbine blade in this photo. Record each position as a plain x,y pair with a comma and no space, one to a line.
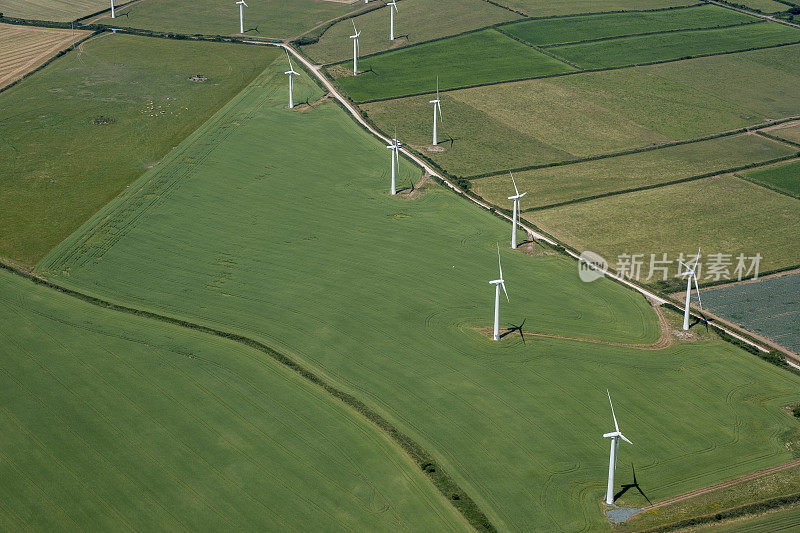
439,107
516,191
505,291
500,266
699,301
623,437
354,26
614,416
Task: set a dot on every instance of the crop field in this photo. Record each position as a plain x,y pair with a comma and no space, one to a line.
721,214
383,300
67,132
772,522
789,132
767,6
551,185
480,57
784,178
413,24
769,307
112,421
582,28
677,45
545,8
55,10
23,48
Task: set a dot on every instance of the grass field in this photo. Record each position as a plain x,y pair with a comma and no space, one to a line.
784,178
56,10
278,19
68,132
790,132
23,48
770,307
547,186
470,59
113,422
772,522
677,45
767,6
722,215
572,29
381,295
415,22
544,8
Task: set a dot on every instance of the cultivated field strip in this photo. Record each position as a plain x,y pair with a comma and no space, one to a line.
54,10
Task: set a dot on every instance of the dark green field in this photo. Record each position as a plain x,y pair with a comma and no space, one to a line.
784,178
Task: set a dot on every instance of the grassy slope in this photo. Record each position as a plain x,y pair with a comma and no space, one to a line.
381,295
547,186
772,522
572,29
785,177
415,21
57,168
57,10
649,48
479,57
114,422
542,8
724,215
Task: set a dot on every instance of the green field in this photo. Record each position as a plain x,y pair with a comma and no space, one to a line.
772,522
572,29
115,422
277,19
677,45
790,132
414,23
480,57
547,186
767,6
383,300
78,132
544,8
784,178
56,10
722,215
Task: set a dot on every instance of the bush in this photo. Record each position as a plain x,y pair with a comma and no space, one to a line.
796,411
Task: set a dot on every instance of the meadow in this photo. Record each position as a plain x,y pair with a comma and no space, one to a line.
784,178
55,10
414,23
720,214
115,422
470,59
767,6
383,299
23,48
772,522
550,31
552,185
67,133
670,46
542,8
789,132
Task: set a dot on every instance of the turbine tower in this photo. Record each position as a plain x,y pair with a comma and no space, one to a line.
113,14
291,74
691,272
437,106
516,199
392,8
612,461
395,147
497,284
355,48
241,5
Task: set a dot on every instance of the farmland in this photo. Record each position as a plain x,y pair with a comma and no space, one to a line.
789,132
82,114
55,10
784,178
414,24
24,48
538,8
772,522
384,300
766,6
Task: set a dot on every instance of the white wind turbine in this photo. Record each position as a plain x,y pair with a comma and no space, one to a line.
612,461
497,284
113,14
437,106
516,199
241,5
691,272
395,147
355,48
291,74
392,9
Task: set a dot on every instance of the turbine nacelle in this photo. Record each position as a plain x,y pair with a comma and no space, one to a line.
615,434
241,3
517,197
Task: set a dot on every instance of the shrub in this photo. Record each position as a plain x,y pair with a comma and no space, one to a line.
796,411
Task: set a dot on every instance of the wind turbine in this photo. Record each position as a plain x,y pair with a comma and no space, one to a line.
392,9
291,74
692,275
612,461
516,199
437,106
241,5
113,14
355,48
394,147
497,284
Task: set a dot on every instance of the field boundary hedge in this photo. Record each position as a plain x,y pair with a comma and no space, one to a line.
778,139
768,186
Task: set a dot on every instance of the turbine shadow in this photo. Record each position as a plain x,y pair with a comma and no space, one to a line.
512,328
628,486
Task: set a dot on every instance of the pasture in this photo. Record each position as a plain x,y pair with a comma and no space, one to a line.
23,48
783,178
383,300
68,132
55,10
112,421
766,6
542,8
414,23
720,214
549,31
470,59
789,132
552,185
787,519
